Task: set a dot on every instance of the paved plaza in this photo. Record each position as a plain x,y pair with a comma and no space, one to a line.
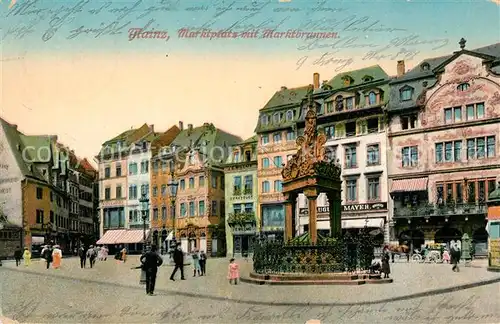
111,293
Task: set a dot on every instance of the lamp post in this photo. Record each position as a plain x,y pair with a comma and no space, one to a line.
172,187
144,201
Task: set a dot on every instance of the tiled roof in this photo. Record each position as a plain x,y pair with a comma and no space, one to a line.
357,76
252,139
287,96
164,139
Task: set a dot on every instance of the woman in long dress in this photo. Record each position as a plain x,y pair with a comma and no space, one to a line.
27,257
124,254
56,257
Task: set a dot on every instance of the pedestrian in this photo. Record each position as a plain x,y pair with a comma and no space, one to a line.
150,262
83,256
91,254
455,255
386,268
446,256
27,257
203,263
233,272
179,263
56,256
196,263
47,255
18,255
123,254
105,252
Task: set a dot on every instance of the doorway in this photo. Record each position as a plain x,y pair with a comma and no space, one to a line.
242,245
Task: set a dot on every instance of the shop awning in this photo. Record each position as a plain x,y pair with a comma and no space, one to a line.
132,236
110,237
360,223
409,185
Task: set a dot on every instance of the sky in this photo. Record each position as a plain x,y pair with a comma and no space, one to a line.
82,70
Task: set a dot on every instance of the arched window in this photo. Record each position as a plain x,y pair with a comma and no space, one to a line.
425,67
289,115
463,87
276,118
372,98
265,186
339,103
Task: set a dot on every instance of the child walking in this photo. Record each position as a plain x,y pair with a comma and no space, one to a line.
233,272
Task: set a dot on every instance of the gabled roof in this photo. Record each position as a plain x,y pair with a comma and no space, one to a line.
285,97
164,139
357,76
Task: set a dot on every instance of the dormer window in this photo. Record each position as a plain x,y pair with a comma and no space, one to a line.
372,98
347,80
405,93
367,78
276,118
463,87
289,115
119,145
264,119
425,67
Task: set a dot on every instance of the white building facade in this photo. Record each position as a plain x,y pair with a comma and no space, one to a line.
138,181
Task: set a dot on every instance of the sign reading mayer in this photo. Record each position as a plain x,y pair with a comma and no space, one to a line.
348,208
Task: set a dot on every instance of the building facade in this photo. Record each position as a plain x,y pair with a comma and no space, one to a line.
443,146
350,110
240,176
276,135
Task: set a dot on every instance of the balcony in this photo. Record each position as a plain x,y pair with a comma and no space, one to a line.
242,192
241,219
431,210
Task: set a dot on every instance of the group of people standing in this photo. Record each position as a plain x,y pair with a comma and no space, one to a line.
52,255
199,263
92,254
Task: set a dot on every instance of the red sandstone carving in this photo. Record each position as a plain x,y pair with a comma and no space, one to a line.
461,67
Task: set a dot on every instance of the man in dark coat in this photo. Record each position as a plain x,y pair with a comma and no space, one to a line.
150,262
83,256
18,255
47,255
179,263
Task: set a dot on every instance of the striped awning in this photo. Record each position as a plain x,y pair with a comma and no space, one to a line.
409,185
110,237
132,236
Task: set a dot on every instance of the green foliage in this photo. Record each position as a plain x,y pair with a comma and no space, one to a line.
241,218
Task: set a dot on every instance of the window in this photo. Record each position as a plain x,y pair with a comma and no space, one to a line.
481,189
425,67
351,192
448,151
214,207
155,166
107,172
248,156
405,94
214,181
265,163
248,185
39,216
132,168
491,186
470,112
339,103
372,98
289,115
237,185
331,153
463,87
373,154
107,194
191,183
471,192
144,166
118,192
329,107
237,208
248,207
201,208
481,147
457,114
439,152
276,118
409,122
192,209
145,189
164,190
350,129
277,161
459,193
163,213
264,139
350,156
132,192
39,193
277,137
373,188
155,191
362,127
457,154
182,184
350,103
266,186
410,156
480,110
264,119
236,157
278,186
164,166
201,181
330,132
118,170
183,209
155,213
290,136
448,116
372,125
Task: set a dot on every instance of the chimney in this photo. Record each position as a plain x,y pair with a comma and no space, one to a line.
181,125
206,124
401,68
316,81
283,88
152,128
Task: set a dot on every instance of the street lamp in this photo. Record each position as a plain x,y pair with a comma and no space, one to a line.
144,200
172,187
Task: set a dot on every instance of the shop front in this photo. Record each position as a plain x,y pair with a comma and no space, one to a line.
273,221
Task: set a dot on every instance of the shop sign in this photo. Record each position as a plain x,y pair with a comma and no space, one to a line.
348,208
494,252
